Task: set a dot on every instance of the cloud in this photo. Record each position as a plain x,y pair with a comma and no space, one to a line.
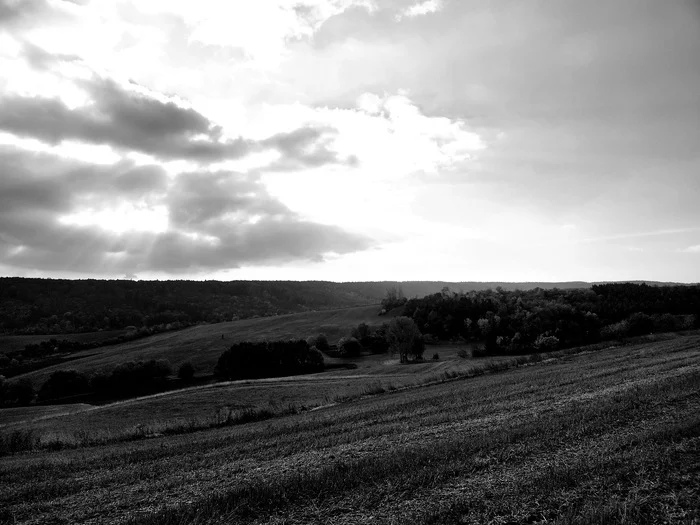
128,117
260,29
13,11
420,9
123,119
692,249
57,214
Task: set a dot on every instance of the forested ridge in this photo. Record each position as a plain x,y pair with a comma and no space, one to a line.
52,306
525,320
60,306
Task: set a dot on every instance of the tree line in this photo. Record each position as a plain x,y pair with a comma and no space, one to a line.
60,306
522,321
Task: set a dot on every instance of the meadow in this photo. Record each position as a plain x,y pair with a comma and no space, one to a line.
610,435
202,344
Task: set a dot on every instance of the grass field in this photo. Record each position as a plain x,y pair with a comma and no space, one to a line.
14,343
203,344
611,436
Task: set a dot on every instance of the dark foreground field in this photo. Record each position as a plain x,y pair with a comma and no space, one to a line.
611,436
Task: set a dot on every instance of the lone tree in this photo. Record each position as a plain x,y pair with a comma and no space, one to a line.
405,338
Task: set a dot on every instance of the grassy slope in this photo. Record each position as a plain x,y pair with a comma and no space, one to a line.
202,344
13,343
605,437
207,402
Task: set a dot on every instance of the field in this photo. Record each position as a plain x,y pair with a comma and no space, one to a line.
14,343
203,344
607,436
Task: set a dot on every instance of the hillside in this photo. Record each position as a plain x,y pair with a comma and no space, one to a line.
202,345
598,437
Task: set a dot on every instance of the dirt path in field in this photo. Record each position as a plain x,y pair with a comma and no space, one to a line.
71,410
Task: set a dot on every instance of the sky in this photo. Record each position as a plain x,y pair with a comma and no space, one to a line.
350,140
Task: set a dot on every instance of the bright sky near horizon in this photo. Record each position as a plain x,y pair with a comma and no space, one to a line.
347,140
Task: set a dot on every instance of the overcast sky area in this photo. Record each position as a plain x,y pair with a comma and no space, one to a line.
348,140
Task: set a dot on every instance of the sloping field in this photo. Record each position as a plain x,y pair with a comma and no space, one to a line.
600,437
13,343
203,344
207,402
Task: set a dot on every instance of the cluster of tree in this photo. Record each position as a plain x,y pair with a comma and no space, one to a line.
400,335
251,360
124,380
393,299
523,321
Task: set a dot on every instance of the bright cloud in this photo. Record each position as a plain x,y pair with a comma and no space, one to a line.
421,8
260,29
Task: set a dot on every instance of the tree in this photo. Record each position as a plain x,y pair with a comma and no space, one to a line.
320,342
19,392
404,338
64,383
361,332
186,371
349,347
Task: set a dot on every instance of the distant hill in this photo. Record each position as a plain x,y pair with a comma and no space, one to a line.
60,306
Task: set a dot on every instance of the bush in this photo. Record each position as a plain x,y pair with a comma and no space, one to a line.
640,324
361,331
436,356
349,347
615,330
19,392
320,342
64,383
186,371
462,352
546,343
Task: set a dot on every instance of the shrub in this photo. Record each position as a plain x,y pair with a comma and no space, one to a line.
640,324
349,347
436,356
64,383
19,392
462,352
19,440
186,371
479,351
615,330
546,343
361,331
320,342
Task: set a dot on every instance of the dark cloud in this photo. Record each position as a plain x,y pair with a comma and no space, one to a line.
204,200
217,220
12,11
123,119
129,119
306,148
